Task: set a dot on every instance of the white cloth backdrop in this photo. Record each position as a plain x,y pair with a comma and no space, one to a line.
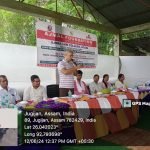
136,69
106,65
19,62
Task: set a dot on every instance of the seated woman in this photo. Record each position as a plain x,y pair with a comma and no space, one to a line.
80,86
120,84
105,84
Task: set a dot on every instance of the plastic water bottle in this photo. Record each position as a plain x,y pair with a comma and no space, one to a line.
69,93
111,88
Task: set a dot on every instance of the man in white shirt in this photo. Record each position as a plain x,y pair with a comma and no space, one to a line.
7,95
95,86
120,84
35,92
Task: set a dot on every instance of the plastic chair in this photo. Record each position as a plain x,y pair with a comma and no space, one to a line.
52,90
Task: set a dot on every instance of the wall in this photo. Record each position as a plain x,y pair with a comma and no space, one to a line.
18,63
106,65
136,69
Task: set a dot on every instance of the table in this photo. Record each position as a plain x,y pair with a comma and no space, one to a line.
109,113
143,93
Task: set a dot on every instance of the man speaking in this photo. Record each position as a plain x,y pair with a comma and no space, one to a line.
67,69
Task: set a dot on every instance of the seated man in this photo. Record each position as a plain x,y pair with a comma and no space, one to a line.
7,95
95,86
79,85
35,92
120,84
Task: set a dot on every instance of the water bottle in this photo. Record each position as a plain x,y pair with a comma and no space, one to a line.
111,88
69,93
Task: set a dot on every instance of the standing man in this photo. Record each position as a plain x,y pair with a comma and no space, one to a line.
67,69
7,95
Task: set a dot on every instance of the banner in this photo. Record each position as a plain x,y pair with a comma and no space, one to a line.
53,40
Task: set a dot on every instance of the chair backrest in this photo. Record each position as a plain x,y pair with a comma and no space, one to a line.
52,90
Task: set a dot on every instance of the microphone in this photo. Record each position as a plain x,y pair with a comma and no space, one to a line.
74,62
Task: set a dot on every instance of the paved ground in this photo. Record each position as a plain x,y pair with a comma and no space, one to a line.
139,147
130,137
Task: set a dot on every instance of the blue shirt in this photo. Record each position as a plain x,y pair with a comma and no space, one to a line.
8,97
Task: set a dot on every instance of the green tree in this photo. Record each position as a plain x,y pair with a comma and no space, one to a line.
140,34
20,29
17,28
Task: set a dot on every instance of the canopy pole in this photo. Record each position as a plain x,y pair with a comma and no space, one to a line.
117,44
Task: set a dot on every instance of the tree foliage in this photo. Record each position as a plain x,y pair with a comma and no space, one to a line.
140,34
17,28
20,29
